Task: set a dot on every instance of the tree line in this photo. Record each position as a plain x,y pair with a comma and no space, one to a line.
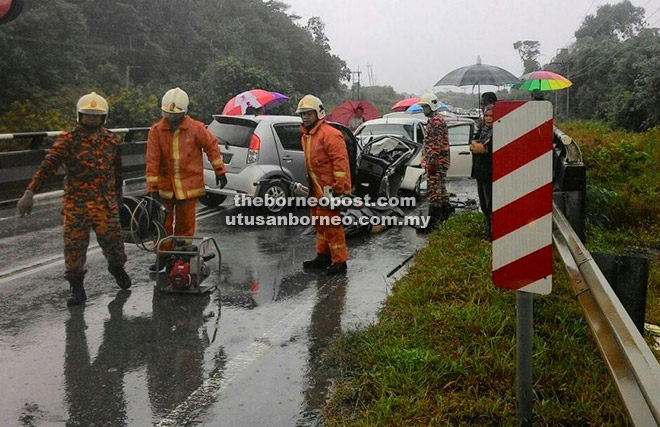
614,65
132,51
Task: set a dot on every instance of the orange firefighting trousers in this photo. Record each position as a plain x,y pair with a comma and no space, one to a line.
329,238
180,219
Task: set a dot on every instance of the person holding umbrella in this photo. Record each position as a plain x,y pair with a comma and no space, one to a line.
357,119
482,167
436,159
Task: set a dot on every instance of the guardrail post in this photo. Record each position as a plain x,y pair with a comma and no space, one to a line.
571,204
36,142
628,275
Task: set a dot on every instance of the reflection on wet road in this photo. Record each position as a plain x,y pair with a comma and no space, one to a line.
248,353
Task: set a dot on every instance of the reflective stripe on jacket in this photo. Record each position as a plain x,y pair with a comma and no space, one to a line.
175,165
326,159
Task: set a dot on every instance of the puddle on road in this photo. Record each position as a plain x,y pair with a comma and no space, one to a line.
133,358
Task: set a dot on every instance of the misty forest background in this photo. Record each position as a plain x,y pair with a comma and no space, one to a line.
131,51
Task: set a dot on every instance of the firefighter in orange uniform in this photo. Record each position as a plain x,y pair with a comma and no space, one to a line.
175,168
327,165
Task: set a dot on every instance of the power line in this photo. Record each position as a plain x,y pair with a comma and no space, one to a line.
592,3
605,20
654,12
611,51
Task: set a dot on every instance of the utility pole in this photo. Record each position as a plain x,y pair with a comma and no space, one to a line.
353,74
128,74
370,73
561,53
568,94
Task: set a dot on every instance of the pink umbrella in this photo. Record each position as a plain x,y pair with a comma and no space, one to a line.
343,112
404,104
255,98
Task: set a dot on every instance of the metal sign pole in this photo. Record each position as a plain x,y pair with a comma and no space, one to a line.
524,350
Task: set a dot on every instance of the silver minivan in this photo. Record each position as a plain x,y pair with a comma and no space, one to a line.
257,148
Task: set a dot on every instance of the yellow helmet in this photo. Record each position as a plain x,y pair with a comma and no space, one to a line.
311,103
429,99
93,104
175,101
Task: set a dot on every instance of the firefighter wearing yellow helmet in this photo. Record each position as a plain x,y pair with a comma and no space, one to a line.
175,168
435,159
326,159
91,157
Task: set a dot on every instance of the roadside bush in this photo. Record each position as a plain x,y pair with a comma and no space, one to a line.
623,176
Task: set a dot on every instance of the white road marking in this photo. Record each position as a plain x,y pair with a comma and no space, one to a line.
39,265
219,381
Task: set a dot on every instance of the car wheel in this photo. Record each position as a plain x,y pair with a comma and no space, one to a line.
212,200
274,190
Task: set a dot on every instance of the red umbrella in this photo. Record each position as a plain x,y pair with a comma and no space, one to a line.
404,104
253,98
343,112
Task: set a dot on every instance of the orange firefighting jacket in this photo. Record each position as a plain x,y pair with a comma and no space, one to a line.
174,159
326,159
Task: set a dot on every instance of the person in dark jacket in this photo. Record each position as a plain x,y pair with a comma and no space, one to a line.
482,168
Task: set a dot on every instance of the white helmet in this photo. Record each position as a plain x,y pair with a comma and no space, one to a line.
92,104
429,99
311,103
175,101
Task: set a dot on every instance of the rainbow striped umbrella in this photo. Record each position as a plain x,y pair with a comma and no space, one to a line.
543,81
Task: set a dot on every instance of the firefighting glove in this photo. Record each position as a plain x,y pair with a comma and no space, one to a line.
430,168
25,204
221,180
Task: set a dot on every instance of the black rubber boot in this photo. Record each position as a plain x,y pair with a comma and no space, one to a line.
78,296
445,212
120,275
435,216
320,262
336,268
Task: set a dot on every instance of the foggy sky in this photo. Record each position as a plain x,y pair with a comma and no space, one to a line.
411,44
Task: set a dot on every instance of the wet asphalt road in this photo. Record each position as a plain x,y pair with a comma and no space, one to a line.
247,354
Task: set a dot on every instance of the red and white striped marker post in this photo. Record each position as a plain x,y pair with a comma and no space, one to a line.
522,196
522,221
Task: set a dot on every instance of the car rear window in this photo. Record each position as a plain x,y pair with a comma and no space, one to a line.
289,136
406,130
233,131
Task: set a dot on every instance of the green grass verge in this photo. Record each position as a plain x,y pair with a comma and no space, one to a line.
443,351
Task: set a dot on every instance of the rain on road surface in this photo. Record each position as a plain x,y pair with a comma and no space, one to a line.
246,354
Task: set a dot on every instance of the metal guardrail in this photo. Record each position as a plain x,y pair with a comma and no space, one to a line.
631,363
36,138
18,167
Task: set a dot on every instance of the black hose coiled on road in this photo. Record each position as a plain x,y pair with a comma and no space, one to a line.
142,221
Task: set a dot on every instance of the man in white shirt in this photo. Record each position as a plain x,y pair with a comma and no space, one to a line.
356,120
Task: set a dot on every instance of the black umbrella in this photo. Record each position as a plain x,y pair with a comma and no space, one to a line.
478,74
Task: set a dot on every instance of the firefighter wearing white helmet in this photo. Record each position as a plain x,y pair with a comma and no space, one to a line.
175,168
326,159
436,159
91,157
93,105
311,103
